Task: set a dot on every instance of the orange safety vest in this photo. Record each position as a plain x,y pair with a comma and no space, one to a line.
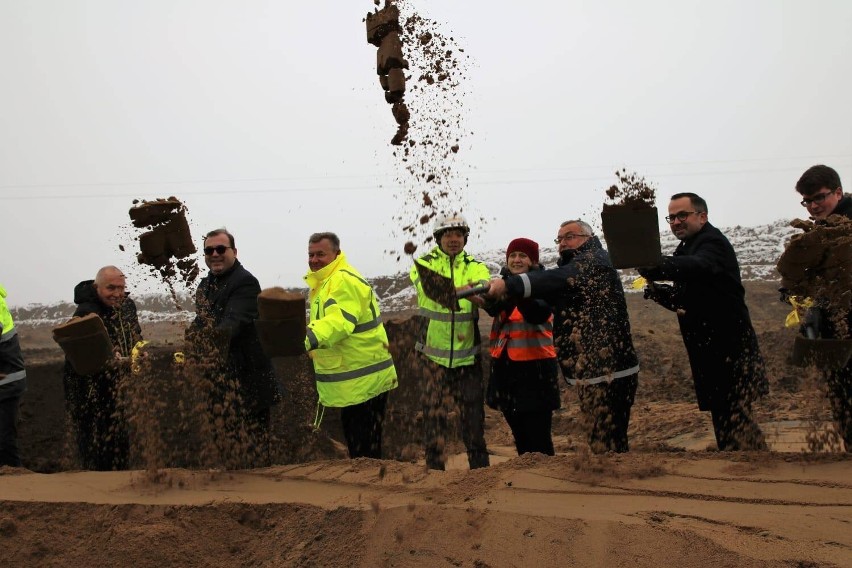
522,341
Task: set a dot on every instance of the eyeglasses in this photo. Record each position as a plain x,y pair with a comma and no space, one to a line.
682,216
218,249
568,237
818,198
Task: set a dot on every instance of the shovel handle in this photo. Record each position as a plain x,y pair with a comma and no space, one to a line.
473,291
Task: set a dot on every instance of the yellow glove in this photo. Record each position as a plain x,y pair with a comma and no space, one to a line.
639,283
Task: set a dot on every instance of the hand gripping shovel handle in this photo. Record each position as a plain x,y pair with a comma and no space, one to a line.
473,291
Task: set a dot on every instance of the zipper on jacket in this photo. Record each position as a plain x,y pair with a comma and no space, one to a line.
452,317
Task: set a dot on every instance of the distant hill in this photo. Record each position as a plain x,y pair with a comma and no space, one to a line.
758,249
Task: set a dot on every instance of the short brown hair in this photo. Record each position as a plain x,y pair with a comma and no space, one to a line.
221,231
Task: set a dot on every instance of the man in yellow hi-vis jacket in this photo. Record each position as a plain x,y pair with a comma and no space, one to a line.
450,343
13,383
347,342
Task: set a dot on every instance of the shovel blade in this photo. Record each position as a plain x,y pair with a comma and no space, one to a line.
438,288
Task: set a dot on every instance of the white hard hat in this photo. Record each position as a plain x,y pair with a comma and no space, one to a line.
444,222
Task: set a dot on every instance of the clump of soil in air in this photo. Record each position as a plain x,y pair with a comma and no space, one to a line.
817,264
631,190
429,113
167,246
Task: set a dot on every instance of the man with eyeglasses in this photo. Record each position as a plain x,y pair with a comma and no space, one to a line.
708,296
591,330
822,195
226,307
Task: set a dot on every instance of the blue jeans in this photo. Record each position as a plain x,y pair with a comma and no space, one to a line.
10,396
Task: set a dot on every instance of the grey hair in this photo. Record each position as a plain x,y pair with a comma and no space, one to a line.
317,237
585,227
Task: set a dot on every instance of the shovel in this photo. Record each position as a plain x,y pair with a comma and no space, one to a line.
442,290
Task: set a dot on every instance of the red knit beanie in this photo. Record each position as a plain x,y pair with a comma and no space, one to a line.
526,246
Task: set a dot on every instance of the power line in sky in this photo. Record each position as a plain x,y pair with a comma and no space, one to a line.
389,183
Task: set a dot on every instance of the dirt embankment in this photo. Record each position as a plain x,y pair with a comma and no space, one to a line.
668,502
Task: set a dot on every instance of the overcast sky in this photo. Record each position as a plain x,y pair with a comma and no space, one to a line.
266,117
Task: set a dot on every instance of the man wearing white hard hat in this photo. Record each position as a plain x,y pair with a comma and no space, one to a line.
449,344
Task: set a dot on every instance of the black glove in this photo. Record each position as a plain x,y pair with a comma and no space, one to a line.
654,291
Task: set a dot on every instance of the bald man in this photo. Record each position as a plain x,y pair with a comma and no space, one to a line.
92,400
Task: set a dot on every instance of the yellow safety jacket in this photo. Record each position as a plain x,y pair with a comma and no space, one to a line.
11,361
451,338
346,338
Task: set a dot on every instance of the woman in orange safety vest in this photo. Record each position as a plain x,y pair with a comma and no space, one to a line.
523,384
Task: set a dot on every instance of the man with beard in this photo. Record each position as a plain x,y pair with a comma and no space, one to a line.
823,195
591,330
223,335
708,296
92,400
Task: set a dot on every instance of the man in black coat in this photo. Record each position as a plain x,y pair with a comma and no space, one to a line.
823,195
92,400
708,296
223,334
591,330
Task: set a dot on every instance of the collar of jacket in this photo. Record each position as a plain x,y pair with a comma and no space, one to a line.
315,279
568,255
437,252
844,206
2,291
223,275
688,241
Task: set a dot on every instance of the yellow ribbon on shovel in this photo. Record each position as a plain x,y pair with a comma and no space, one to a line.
135,354
639,283
800,306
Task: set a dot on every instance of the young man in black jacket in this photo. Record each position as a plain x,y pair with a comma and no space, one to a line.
823,195
92,400
708,296
224,336
591,330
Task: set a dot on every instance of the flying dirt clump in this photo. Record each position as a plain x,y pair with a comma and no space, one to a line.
631,189
167,246
429,112
383,31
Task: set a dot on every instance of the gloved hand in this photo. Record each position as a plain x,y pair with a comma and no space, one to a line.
656,292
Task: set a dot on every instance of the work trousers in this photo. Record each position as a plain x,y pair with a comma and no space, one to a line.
734,425
101,430
10,397
362,427
839,385
531,430
445,388
606,411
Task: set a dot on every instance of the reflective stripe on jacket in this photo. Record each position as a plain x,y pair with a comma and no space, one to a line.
521,340
346,338
451,338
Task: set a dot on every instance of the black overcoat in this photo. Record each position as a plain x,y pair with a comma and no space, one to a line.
226,308
709,298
